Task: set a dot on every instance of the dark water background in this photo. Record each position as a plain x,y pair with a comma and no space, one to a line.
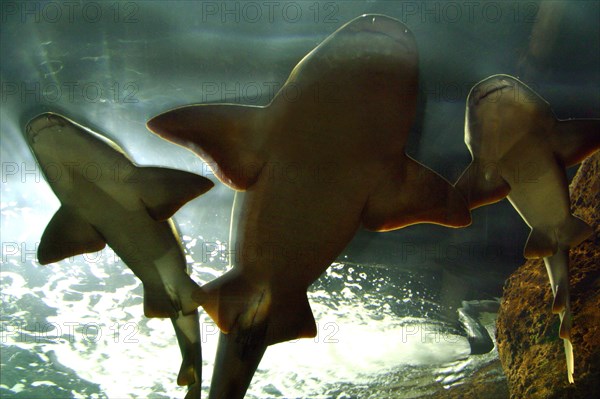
386,311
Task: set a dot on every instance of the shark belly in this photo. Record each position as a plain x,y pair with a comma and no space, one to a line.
150,248
299,228
539,193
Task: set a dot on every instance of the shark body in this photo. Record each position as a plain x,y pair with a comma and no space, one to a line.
324,157
520,150
106,199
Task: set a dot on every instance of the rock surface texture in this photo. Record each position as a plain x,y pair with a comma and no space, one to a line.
531,352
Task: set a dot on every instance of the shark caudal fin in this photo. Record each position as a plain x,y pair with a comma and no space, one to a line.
187,330
570,360
237,304
481,185
566,323
164,191
557,267
250,318
238,356
573,140
66,235
414,194
228,137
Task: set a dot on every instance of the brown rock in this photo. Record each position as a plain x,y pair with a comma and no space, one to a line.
531,352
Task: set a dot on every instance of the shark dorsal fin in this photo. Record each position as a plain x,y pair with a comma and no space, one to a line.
573,140
415,194
68,234
227,137
164,191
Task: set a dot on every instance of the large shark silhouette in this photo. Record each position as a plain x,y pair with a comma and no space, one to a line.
106,199
520,150
323,157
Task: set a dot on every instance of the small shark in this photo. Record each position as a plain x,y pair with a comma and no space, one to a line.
106,199
324,157
520,150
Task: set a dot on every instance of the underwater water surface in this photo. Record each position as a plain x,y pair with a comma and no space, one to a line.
386,310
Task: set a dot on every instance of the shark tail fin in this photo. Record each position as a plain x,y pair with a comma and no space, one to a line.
570,360
481,185
575,139
187,330
236,304
566,323
574,232
227,136
414,194
540,244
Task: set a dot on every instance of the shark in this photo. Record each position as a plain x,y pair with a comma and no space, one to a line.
520,151
324,158
107,199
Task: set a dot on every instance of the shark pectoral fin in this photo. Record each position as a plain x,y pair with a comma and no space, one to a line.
574,232
228,137
573,140
414,194
68,234
164,191
482,186
540,244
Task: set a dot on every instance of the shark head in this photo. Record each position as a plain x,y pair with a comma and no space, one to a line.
374,56
52,136
505,93
45,129
367,40
498,104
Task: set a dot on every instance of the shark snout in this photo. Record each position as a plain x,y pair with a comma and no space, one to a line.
384,25
489,91
43,121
